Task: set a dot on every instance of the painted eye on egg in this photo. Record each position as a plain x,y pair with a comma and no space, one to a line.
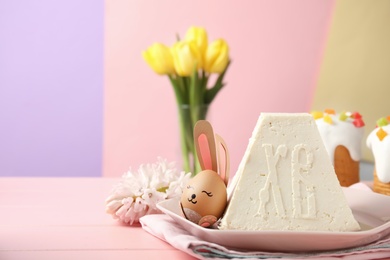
210,194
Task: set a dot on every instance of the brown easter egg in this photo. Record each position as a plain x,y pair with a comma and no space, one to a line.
205,194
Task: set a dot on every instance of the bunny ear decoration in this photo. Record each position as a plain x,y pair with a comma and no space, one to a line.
205,145
223,159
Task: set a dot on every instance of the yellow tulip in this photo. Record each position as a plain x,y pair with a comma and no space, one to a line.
159,58
186,56
199,35
217,57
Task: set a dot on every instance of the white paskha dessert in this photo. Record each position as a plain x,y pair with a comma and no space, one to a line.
286,181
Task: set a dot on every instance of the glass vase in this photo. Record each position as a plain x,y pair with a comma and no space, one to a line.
188,116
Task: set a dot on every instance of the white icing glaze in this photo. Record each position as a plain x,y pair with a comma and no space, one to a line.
381,152
343,133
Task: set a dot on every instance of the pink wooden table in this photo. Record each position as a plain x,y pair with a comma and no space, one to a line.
64,218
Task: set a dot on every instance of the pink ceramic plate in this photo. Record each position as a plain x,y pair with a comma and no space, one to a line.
370,209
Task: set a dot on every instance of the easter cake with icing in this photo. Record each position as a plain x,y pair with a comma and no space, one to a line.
342,134
379,142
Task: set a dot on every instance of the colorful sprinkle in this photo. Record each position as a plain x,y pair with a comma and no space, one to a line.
328,119
382,122
358,122
343,117
356,115
330,111
381,134
355,118
317,114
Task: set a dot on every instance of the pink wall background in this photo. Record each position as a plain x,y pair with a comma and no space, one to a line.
276,49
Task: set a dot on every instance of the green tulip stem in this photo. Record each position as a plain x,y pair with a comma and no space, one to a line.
183,137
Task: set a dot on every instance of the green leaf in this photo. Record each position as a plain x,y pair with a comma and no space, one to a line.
212,92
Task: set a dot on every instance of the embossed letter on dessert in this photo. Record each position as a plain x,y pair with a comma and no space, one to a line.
286,181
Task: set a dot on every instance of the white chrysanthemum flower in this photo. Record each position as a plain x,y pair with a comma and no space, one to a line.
139,192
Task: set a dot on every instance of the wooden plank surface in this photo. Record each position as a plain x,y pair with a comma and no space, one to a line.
64,218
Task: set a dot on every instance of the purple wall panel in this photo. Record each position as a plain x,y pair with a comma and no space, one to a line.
51,87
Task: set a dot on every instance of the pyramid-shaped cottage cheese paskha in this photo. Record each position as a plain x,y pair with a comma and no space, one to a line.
286,181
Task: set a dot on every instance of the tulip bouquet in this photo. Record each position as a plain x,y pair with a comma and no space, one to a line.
189,64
